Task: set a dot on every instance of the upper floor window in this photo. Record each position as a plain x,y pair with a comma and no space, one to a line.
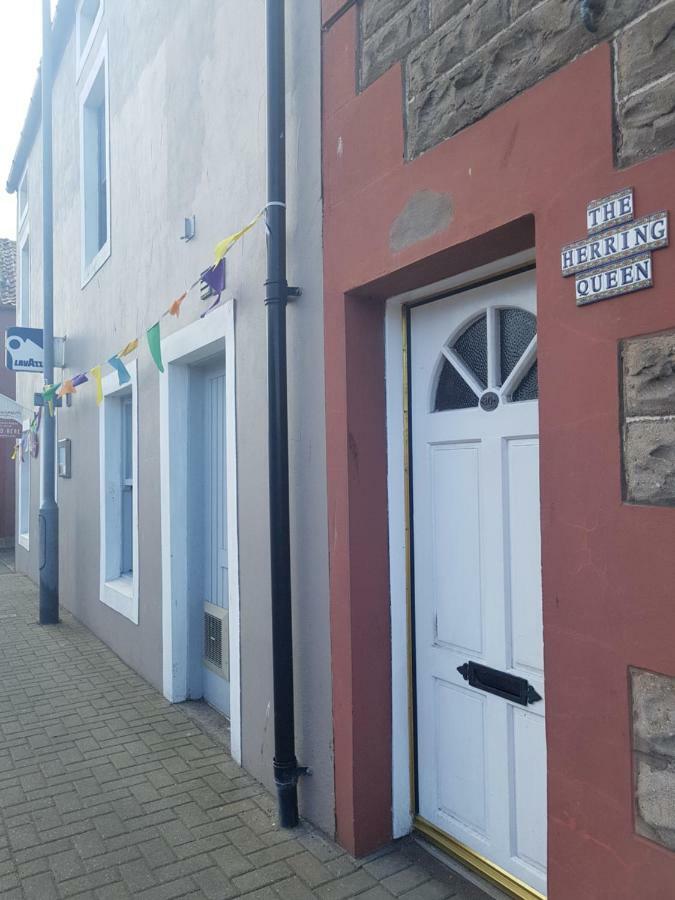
88,18
22,197
95,168
23,304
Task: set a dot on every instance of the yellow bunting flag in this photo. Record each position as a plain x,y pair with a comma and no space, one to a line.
174,309
96,375
226,243
130,347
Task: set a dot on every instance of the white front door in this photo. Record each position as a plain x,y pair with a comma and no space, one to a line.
481,746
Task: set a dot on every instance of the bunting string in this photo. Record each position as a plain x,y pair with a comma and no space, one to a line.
213,278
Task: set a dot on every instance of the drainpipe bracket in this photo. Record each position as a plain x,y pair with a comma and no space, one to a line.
289,774
294,292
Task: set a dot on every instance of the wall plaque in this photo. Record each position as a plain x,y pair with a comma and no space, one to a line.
616,257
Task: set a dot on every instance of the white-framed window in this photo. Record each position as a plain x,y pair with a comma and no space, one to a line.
87,20
23,304
118,461
23,491
95,167
22,199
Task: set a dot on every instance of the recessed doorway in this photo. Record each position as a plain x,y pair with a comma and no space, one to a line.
199,517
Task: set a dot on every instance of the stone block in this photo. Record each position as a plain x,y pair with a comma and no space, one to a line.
454,41
618,13
648,366
393,40
645,51
375,14
649,461
441,10
519,56
520,7
646,122
653,710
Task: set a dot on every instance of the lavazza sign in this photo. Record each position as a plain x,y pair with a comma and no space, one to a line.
616,256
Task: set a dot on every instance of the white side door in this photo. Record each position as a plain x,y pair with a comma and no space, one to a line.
481,750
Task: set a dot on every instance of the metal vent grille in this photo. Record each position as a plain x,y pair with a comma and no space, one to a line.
213,640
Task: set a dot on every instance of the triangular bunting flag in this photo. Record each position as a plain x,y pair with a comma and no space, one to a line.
122,372
130,347
174,309
155,345
226,243
96,375
66,388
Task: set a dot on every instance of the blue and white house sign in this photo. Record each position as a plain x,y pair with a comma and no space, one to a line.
24,348
616,257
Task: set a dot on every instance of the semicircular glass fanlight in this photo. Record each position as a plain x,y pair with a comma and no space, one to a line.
495,355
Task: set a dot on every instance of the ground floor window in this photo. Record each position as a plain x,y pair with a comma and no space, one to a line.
118,455
23,516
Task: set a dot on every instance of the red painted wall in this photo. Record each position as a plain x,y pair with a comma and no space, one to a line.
7,466
608,568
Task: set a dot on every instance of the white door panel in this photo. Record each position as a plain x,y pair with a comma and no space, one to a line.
481,758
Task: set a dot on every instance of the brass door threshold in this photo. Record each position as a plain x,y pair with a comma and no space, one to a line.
498,876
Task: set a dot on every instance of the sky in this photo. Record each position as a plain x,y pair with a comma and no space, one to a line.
20,51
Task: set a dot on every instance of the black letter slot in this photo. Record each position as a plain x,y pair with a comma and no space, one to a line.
511,687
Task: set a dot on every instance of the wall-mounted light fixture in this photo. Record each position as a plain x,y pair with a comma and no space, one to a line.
591,11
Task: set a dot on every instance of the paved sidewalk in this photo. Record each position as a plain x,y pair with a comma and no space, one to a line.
107,791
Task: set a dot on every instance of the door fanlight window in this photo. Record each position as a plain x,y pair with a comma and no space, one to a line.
492,360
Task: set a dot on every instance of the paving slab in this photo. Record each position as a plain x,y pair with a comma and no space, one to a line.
108,791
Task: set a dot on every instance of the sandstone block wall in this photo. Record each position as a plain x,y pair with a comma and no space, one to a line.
463,58
648,387
653,702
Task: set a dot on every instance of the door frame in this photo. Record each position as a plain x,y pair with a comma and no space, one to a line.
403,749
200,339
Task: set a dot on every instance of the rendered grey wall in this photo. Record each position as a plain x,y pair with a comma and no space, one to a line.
187,136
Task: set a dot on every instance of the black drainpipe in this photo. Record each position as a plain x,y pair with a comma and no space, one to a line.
277,292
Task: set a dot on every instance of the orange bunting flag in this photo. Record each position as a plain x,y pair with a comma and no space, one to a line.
174,309
66,388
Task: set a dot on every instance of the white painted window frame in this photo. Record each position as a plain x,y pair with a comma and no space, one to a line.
199,338
21,214
23,303
23,483
401,689
89,269
81,57
121,593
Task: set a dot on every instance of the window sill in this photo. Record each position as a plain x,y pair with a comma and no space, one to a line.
121,595
89,270
123,585
24,541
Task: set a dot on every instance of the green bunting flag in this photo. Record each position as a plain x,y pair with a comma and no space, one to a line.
154,344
